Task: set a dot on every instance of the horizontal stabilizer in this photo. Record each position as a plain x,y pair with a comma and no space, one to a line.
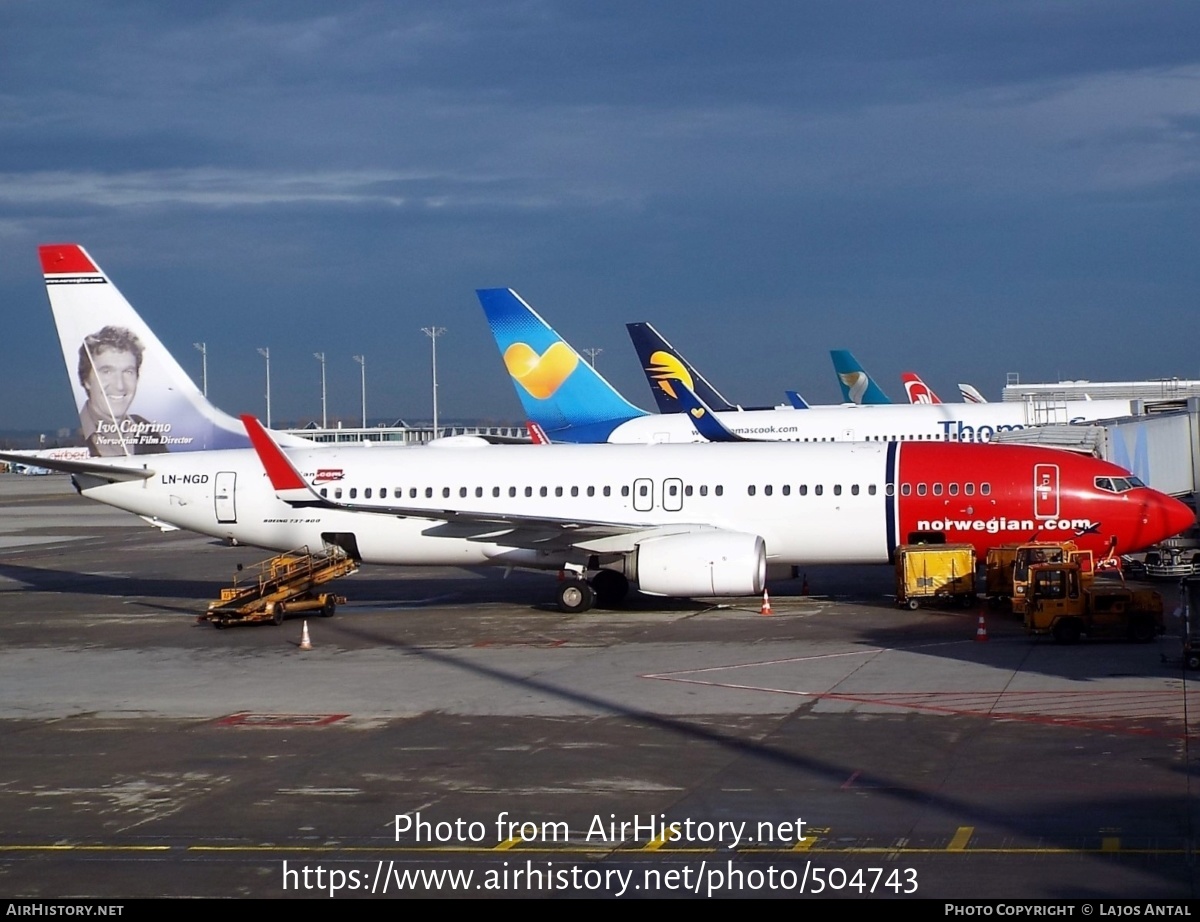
112,471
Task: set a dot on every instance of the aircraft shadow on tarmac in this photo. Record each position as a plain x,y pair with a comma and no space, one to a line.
791,750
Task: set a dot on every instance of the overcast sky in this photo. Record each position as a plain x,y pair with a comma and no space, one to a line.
960,189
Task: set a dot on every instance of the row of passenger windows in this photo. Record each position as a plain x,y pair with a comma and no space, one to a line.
951,489
817,489
463,492
671,489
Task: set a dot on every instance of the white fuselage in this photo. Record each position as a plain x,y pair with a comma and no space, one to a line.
226,494
945,422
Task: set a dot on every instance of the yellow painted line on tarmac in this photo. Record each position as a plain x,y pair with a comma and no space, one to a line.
961,838
805,844
1110,844
507,844
85,848
655,844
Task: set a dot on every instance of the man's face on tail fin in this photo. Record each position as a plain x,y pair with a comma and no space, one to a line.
112,384
110,362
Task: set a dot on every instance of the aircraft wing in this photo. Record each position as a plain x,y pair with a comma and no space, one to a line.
110,471
531,531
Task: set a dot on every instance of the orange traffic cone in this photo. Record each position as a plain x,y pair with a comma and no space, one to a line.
305,643
766,605
981,631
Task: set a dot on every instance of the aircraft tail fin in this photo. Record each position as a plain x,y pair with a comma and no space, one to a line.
918,391
133,397
665,367
857,386
970,394
559,391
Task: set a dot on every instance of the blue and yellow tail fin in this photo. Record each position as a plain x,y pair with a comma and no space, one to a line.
559,391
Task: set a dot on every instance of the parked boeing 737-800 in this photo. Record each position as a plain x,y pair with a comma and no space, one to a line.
676,520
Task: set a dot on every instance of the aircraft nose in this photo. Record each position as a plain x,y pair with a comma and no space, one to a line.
1164,517
1175,516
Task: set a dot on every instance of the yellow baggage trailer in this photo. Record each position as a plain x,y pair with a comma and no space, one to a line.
942,573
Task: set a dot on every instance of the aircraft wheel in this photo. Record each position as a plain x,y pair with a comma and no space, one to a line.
219,624
329,608
575,596
277,615
610,588
1192,661
914,604
1067,631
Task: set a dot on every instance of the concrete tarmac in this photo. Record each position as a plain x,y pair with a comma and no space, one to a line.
450,723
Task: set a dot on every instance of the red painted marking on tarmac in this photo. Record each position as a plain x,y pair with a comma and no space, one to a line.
849,782
279,721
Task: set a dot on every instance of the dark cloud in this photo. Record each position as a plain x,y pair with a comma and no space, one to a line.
961,189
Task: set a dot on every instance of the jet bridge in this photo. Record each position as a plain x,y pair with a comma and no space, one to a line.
1162,449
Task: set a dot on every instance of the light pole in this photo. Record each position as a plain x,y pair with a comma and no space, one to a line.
433,333
265,352
591,354
320,357
362,361
203,347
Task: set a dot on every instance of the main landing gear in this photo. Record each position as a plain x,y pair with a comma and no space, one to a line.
575,596
607,589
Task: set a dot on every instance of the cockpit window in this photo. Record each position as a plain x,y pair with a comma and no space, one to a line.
1118,484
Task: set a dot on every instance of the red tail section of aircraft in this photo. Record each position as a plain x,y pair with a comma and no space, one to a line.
918,391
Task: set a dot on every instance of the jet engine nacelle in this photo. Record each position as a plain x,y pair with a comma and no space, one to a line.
705,563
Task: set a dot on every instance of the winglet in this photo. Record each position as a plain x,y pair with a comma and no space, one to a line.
703,418
797,402
285,479
537,434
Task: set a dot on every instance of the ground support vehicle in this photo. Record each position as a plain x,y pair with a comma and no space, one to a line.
1060,603
939,573
1024,556
282,585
